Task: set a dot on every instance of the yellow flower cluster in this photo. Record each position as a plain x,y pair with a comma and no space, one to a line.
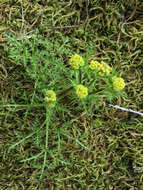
76,61
50,96
94,65
118,83
81,91
102,67
105,68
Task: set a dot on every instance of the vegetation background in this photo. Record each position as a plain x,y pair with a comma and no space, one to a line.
112,30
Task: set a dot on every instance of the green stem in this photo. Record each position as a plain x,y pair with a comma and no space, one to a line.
22,105
91,82
46,143
96,92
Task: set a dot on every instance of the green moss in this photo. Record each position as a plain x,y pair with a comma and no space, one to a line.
83,152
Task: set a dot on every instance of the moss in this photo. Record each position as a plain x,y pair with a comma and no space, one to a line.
91,154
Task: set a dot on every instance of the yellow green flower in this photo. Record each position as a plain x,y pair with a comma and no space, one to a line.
76,61
105,69
81,91
94,65
50,96
118,83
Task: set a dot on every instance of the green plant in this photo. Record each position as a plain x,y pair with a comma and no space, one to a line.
60,87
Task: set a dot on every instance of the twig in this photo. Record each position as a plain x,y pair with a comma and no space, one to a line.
87,15
50,28
63,27
22,12
137,169
125,109
124,21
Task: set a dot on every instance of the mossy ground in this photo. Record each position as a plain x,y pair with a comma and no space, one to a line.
105,161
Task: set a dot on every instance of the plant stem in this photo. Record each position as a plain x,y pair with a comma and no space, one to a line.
64,91
46,141
91,82
80,77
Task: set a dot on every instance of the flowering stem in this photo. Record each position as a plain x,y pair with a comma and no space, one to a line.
77,75
80,76
96,92
64,92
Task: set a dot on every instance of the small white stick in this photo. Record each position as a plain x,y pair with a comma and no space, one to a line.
136,169
125,109
22,10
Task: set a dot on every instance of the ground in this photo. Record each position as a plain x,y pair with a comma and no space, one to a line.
102,151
